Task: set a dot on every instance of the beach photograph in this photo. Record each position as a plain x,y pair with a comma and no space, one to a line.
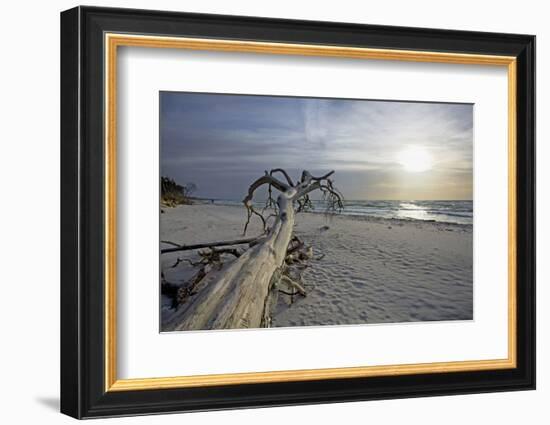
282,211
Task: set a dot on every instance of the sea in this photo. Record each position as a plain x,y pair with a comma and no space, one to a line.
458,212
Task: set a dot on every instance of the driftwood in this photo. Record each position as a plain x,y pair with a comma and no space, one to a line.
242,293
178,247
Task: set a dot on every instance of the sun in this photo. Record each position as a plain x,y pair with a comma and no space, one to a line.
415,159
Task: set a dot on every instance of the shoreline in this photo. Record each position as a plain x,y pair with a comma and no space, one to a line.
359,217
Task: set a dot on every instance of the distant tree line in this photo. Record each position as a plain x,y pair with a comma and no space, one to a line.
172,193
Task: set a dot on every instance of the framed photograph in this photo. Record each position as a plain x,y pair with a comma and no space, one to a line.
261,212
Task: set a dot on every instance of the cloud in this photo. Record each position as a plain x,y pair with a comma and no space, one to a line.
223,142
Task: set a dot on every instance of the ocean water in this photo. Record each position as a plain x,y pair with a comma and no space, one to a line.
460,212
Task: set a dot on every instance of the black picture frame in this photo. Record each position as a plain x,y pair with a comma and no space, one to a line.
83,392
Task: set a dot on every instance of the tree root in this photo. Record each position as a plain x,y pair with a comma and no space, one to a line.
297,257
299,288
210,259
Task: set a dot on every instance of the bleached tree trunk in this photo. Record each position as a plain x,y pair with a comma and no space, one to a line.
236,296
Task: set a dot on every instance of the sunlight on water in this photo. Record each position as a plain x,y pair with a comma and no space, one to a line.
460,212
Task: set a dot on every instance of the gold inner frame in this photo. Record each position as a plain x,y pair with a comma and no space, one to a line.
113,41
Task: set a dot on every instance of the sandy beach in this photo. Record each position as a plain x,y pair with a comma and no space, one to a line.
364,270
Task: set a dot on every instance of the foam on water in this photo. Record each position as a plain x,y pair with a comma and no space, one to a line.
460,212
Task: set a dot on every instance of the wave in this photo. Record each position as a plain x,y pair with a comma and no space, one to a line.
458,212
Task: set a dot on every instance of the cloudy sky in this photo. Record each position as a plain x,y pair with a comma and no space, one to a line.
378,149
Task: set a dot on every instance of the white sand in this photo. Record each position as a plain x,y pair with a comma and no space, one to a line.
373,270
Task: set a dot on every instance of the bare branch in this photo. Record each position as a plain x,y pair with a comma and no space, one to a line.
307,177
310,187
171,243
233,251
267,179
283,172
333,196
270,202
293,284
208,244
297,246
304,204
247,201
326,176
251,211
180,260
